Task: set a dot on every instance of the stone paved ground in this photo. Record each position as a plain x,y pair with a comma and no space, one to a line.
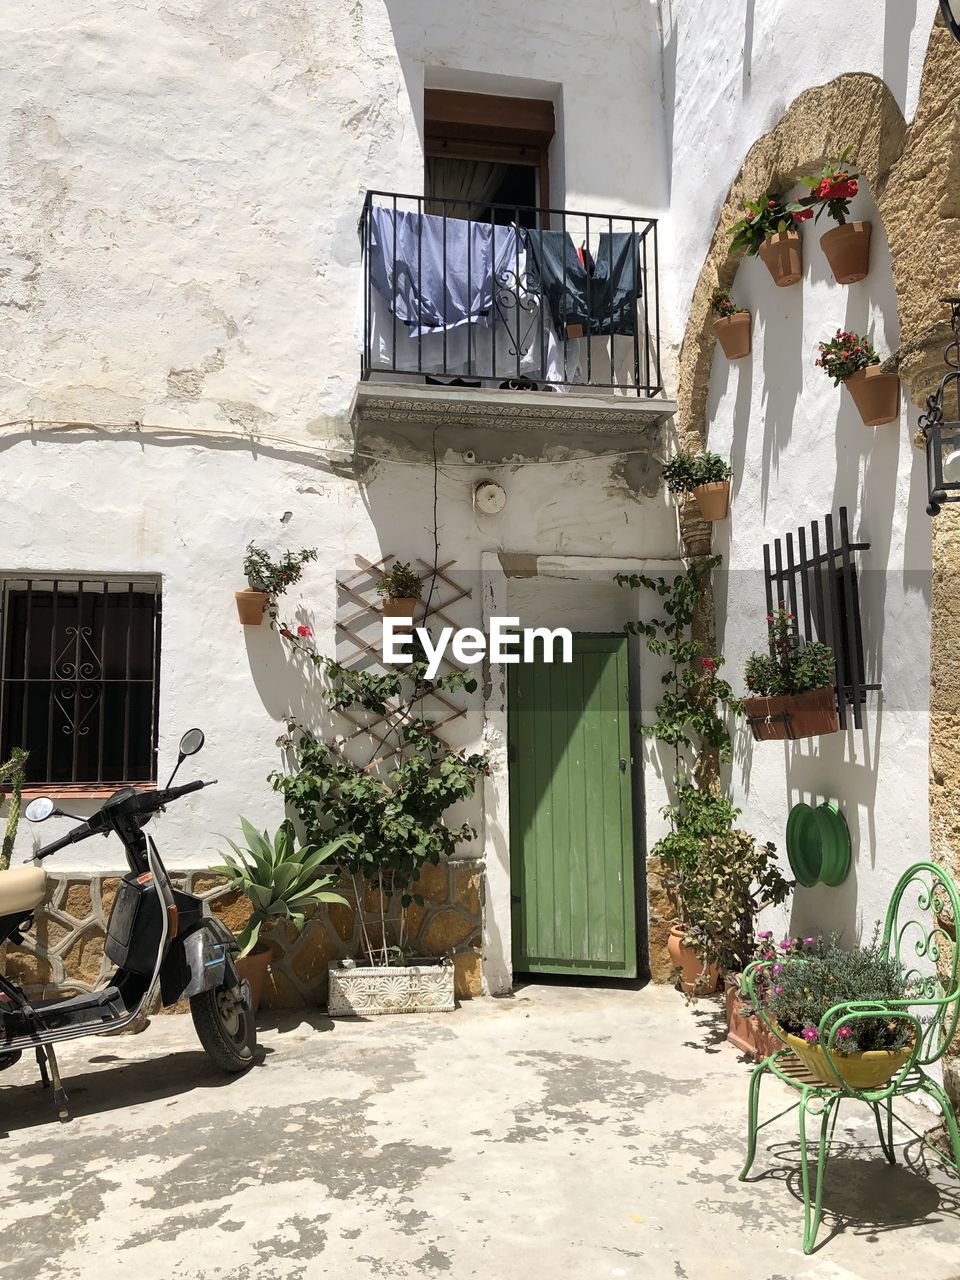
562,1133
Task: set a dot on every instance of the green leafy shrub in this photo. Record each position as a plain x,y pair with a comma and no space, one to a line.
845,354
805,982
794,666
686,471
275,576
401,583
281,879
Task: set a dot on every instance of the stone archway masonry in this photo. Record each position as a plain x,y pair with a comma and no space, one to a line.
914,171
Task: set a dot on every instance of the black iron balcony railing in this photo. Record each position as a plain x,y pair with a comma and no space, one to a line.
469,294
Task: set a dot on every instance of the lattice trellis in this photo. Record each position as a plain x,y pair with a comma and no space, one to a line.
359,641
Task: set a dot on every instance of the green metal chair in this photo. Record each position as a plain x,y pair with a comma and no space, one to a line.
928,949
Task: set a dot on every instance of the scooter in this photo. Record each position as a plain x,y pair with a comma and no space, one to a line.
156,935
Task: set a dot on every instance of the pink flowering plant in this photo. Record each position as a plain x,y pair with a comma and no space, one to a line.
791,665
844,354
723,306
806,986
830,192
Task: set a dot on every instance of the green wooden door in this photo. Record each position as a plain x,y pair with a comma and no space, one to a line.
571,820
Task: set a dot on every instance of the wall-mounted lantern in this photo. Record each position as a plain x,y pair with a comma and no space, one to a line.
951,16
942,438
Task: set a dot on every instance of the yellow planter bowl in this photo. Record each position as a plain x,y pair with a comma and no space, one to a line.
870,1070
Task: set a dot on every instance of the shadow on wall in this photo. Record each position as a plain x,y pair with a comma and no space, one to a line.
780,320
899,19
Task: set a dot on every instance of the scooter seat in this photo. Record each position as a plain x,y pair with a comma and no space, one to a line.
21,889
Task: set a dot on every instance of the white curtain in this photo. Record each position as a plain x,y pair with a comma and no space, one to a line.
450,182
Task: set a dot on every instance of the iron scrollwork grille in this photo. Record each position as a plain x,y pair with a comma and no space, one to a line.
79,678
813,573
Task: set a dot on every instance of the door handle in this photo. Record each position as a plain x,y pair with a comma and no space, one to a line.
623,766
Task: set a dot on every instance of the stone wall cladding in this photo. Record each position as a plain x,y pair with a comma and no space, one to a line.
63,952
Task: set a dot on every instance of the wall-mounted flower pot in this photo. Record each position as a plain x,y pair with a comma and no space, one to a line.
250,606
733,334
399,606
713,499
695,977
798,715
876,395
848,251
783,256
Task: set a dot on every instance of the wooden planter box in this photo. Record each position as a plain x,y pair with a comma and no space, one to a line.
426,987
799,715
744,1028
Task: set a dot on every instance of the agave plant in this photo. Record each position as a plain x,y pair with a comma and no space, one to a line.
280,879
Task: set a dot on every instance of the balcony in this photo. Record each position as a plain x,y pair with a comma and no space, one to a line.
502,319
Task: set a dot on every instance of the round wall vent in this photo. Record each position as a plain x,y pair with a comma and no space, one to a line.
489,498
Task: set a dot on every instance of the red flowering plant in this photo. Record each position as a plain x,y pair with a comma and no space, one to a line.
275,576
723,305
766,216
844,354
791,665
831,192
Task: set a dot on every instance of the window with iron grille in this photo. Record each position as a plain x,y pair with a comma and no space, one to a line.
79,677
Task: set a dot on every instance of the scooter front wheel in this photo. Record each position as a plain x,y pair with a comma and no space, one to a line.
225,1027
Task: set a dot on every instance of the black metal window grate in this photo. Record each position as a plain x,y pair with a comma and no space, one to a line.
79,677
509,297
814,574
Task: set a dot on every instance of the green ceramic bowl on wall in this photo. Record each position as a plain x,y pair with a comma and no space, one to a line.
818,844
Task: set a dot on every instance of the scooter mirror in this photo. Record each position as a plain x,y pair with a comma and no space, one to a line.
39,810
191,742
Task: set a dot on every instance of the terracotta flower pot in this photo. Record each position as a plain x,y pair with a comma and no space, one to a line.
808,715
876,395
869,1070
694,976
733,334
713,499
783,256
399,606
250,605
744,1028
253,968
848,251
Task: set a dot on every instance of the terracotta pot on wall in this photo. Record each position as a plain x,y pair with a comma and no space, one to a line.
809,715
876,395
848,251
253,968
783,256
713,499
399,606
250,605
692,969
733,334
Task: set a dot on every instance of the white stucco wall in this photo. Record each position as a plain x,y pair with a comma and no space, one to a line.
800,450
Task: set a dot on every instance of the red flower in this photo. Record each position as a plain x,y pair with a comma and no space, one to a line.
771,204
749,217
286,633
802,215
304,632
824,188
708,663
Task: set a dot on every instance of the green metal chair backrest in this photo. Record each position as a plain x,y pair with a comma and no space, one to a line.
921,934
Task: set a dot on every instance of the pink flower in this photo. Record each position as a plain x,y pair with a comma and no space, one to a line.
810,1034
765,933
778,990
786,944
809,942
777,970
845,1033
304,632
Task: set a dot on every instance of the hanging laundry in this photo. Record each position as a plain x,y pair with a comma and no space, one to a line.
583,295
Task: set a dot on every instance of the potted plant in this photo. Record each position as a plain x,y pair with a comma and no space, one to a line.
851,359
792,684
401,589
847,246
706,476
394,815
732,325
770,230
745,1028
283,880
268,579
799,993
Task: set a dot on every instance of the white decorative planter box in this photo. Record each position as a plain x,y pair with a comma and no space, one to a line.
414,988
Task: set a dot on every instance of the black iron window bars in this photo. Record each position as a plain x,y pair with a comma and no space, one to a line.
79,677
509,296
813,575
